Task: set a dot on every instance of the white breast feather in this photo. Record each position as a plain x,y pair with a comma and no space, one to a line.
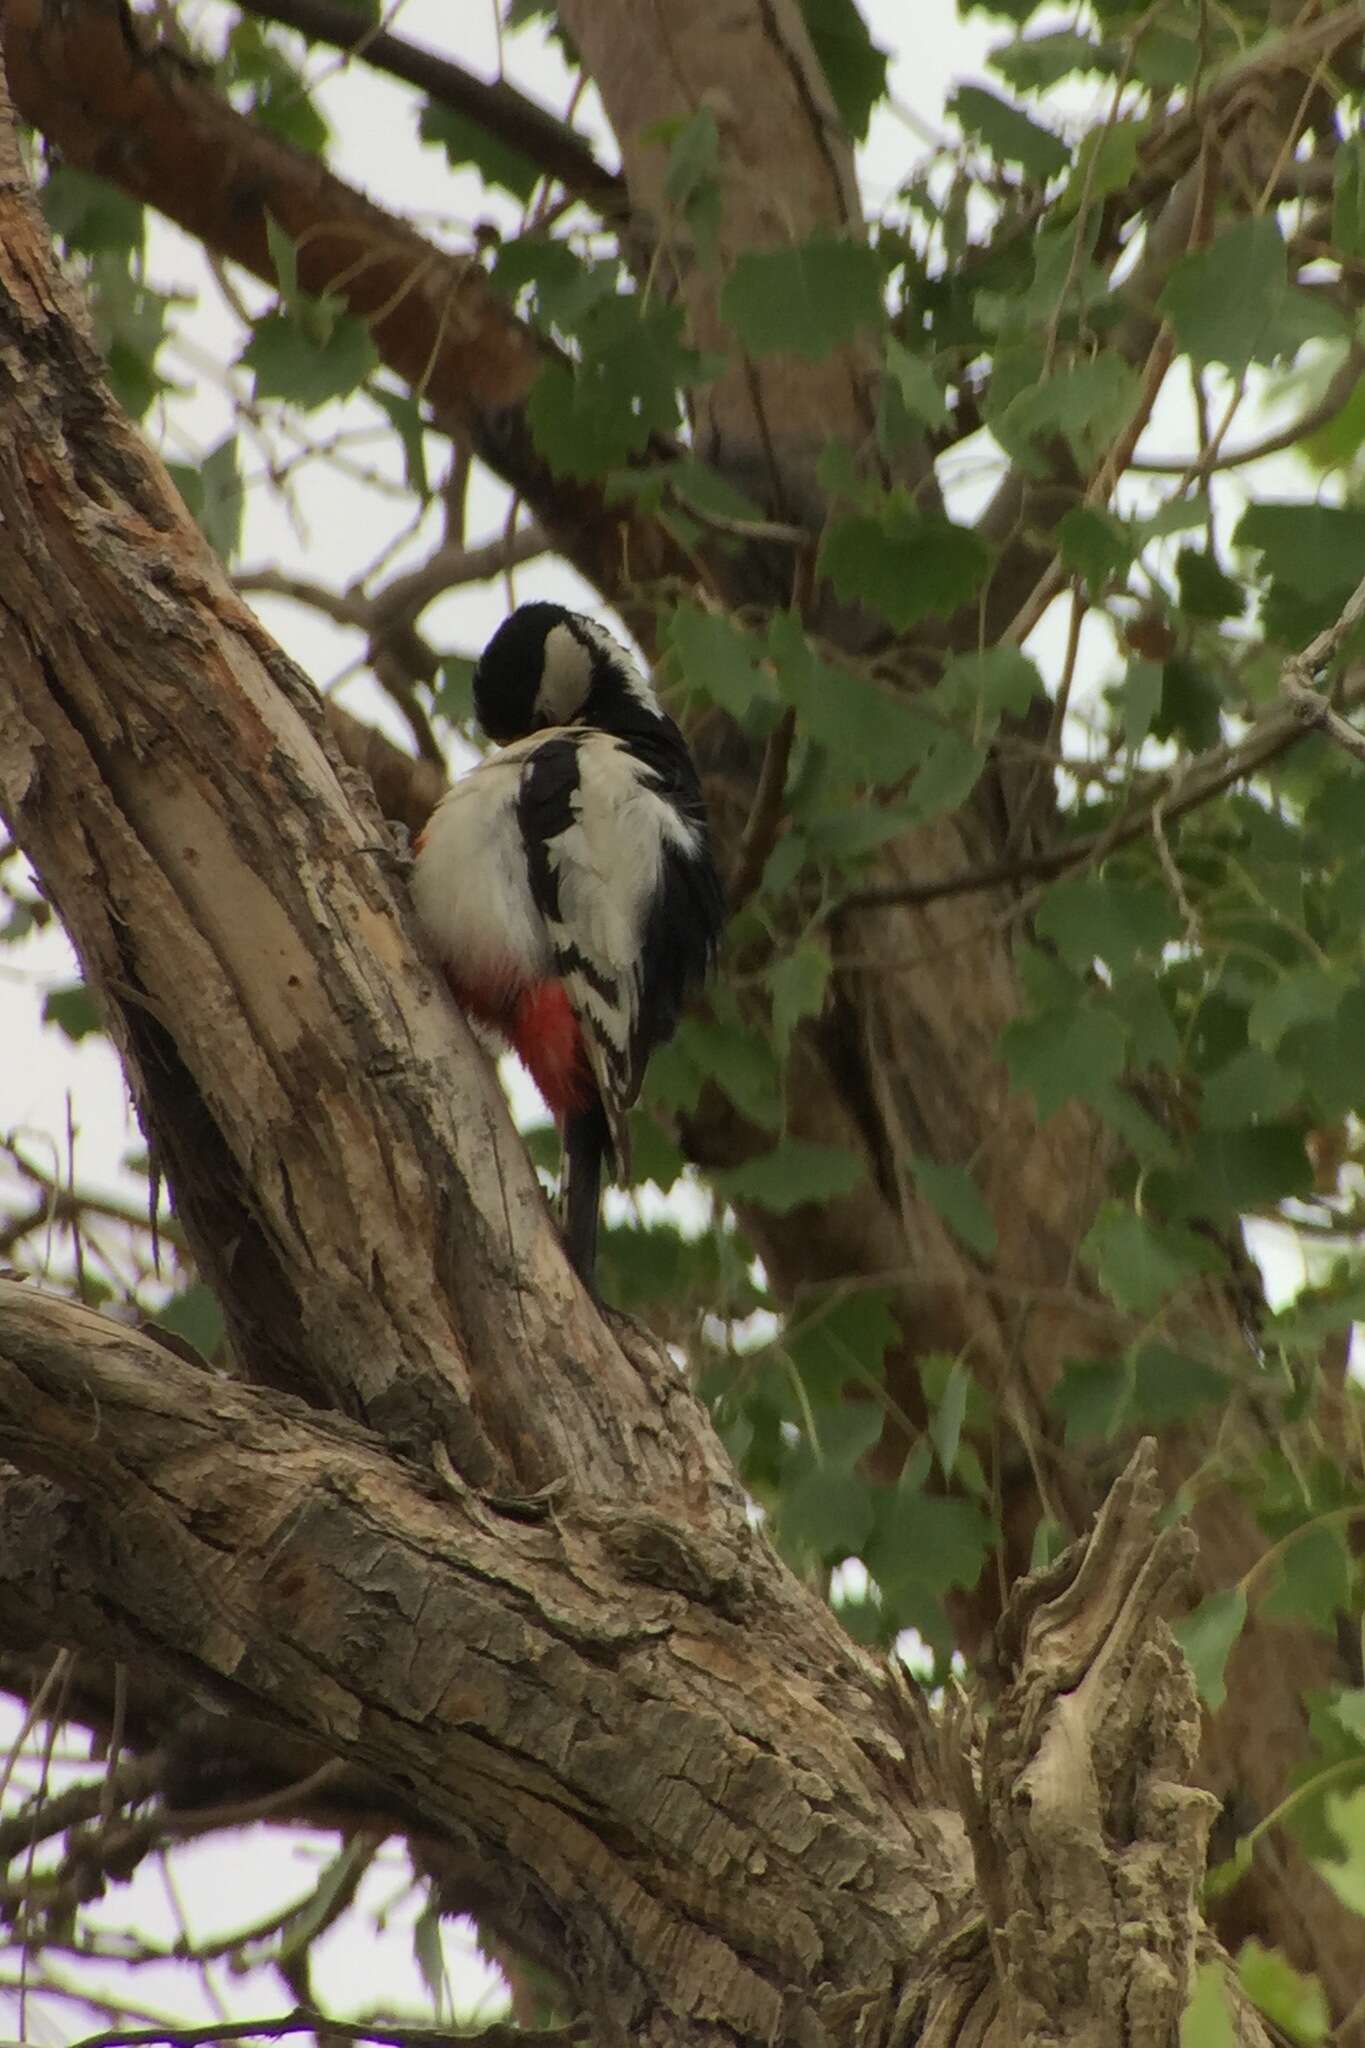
470,883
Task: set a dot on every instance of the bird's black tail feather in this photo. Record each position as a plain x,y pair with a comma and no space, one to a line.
587,1144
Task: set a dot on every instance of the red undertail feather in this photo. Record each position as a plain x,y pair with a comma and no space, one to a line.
539,1024
545,1035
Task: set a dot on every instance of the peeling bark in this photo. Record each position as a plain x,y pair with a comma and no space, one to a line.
688,1792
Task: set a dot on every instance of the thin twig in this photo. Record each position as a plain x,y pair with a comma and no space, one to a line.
1298,710
761,831
302,2021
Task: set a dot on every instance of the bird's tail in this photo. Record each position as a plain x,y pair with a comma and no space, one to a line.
587,1144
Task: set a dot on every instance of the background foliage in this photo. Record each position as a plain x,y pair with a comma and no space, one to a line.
1186,875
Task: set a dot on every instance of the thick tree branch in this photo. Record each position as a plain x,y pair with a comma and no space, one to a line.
496,107
575,1696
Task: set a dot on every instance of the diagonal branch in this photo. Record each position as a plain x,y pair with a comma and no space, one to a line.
1296,712
167,138
498,108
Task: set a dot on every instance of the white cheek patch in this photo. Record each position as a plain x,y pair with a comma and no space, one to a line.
566,677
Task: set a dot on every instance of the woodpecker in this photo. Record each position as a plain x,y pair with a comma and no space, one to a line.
568,886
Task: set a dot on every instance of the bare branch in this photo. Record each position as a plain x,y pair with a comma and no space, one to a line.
304,2021
1334,399
402,599
1297,711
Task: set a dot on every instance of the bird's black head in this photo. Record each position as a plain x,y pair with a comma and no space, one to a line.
547,666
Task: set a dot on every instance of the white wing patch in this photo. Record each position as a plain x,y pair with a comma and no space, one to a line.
606,866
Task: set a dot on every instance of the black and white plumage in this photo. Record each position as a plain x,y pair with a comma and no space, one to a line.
568,885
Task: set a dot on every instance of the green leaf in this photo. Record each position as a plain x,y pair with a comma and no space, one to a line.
719,660
1296,2003
740,1059
1302,996
1232,303
1105,162
1232,1171
466,141
591,416
1317,549
869,731
1139,1002
1348,1711
279,98
1087,401
1169,1387
946,779
429,1955
90,214
212,489
566,287
844,1345
1008,133
1312,1580
920,391
454,697
72,1009
405,417
1346,1874
796,1172
1143,688
997,679
1207,2020
798,982
1092,1398
1206,592
1062,1054
298,362
284,256
1348,197
1249,1086
314,1912
929,1541
194,1316
1208,1637
1091,917
806,300
1033,63
1139,1262
955,1195
949,1413
827,1513
853,64
906,565
1095,545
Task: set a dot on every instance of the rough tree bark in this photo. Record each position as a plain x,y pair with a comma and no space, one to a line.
367,1215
